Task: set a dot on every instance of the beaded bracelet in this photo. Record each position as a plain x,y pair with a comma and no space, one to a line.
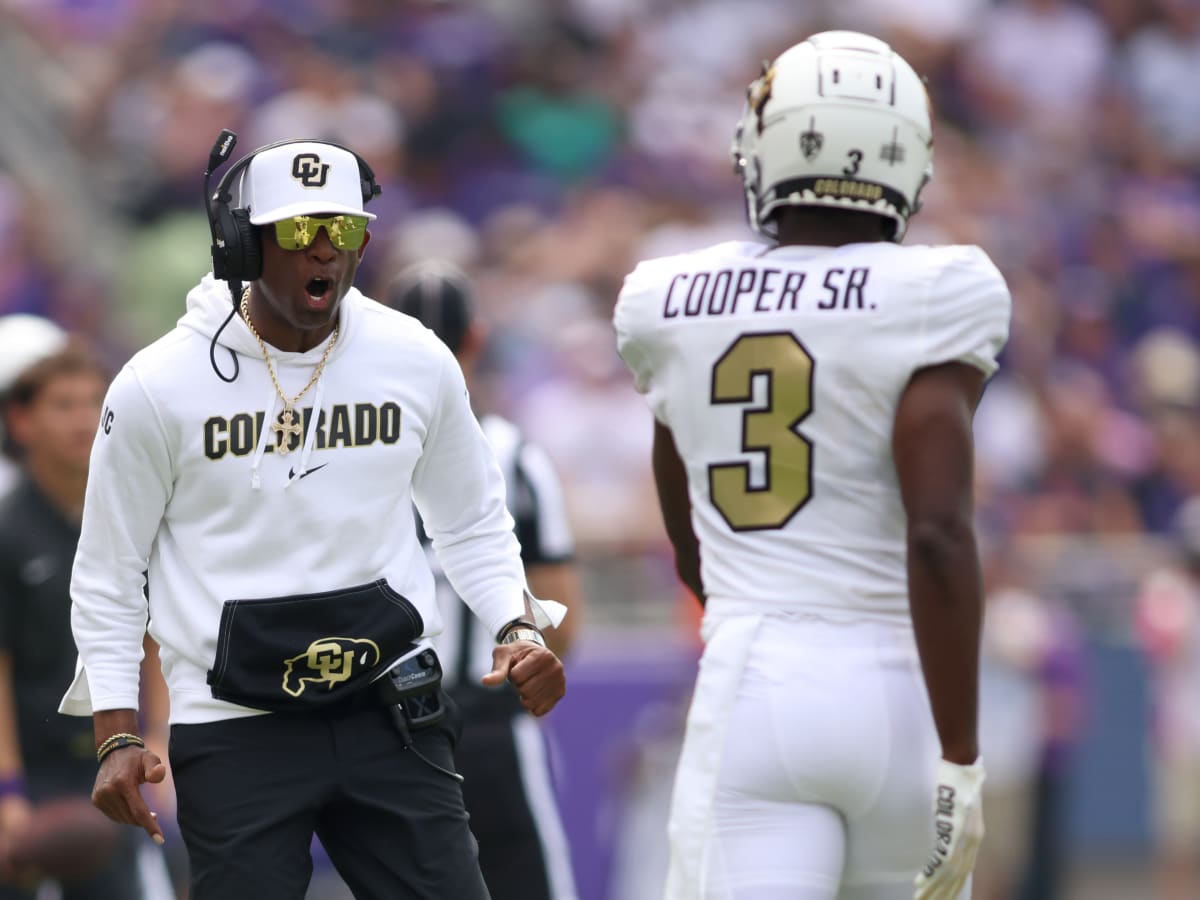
116,742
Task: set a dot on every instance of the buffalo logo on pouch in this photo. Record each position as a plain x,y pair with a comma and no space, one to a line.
328,661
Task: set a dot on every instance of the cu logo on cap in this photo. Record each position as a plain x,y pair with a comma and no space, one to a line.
308,169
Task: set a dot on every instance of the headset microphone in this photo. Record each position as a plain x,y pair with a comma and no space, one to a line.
223,146
226,141
229,262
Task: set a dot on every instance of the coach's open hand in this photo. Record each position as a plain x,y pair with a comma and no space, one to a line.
535,672
118,794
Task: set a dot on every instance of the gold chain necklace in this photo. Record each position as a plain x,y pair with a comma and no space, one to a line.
287,426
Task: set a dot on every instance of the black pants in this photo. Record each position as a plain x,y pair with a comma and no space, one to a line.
252,792
502,819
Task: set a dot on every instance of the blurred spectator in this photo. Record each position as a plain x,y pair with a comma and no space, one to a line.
1036,64
588,422
51,413
1165,367
1010,434
1161,66
165,116
1169,627
325,100
557,117
1063,677
1092,448
1015,637
25,281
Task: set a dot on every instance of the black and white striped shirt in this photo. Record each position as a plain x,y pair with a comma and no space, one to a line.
535,500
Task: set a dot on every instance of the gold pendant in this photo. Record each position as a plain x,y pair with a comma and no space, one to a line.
286,428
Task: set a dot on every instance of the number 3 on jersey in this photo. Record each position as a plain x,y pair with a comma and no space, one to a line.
770,430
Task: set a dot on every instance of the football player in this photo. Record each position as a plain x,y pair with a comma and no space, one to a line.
813,452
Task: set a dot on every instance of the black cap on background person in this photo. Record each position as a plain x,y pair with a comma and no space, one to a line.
439,295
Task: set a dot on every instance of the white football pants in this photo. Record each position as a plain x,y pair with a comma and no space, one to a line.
824,787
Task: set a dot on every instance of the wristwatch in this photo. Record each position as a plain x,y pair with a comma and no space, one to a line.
521,630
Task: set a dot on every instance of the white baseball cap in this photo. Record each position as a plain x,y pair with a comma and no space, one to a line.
301,179
25,340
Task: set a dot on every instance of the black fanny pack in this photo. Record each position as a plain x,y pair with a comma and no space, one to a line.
310,651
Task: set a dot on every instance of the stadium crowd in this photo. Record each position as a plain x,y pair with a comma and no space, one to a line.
546,147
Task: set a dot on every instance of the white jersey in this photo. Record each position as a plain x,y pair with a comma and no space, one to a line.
778,371
188,485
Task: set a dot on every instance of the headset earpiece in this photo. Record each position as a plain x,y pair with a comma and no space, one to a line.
370,187
249,245
237,251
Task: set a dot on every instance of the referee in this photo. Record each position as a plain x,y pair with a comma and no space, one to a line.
502,754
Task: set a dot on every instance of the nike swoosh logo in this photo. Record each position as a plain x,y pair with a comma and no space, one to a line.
306,472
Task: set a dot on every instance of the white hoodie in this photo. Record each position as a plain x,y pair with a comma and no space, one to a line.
183,489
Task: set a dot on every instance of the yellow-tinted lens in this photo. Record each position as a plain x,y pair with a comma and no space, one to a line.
345,232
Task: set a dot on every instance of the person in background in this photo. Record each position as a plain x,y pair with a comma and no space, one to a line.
51,411
813,398
1168,624
1063,673
522,846
1016,635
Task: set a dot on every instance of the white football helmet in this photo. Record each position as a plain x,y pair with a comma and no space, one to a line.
838,120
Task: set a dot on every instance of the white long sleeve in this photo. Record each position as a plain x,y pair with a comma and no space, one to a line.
128,488
188,486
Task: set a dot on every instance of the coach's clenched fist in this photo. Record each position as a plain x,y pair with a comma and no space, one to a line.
535,672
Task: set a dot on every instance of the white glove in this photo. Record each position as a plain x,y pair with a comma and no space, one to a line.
958,826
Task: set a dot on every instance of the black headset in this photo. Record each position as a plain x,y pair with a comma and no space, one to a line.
236,246
236,241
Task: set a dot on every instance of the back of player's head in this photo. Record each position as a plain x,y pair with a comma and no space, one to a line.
841,121
438,293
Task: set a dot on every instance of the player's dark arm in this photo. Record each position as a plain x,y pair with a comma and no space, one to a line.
670,477
933,448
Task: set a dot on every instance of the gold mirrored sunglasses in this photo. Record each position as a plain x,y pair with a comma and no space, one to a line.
345,232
